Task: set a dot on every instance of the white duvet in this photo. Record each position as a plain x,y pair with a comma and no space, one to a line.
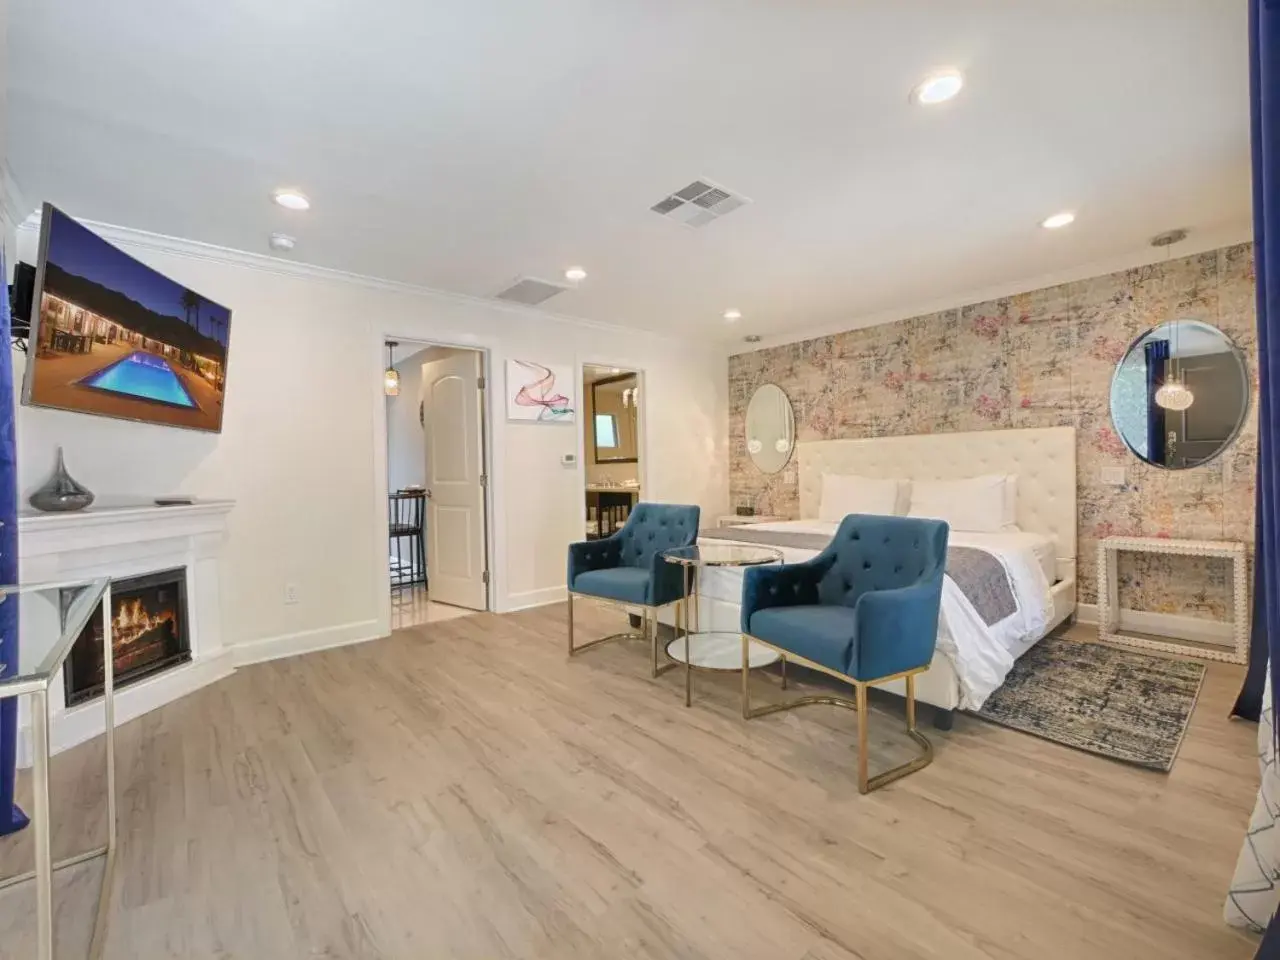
981,655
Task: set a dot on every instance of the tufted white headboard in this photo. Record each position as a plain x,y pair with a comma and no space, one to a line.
1044,460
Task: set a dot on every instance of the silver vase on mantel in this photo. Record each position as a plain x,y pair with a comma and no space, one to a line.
60,493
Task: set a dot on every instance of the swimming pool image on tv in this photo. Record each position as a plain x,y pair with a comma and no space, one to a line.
144,376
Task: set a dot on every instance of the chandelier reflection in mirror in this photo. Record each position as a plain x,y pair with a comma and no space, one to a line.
1180,394
770,428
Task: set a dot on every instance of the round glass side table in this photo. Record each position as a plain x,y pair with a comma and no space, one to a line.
712,649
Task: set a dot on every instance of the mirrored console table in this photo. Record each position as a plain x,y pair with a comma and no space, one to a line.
41,655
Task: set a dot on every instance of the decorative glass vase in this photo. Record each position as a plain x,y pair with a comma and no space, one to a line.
60,493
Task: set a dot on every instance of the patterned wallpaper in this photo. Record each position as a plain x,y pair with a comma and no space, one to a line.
1035,360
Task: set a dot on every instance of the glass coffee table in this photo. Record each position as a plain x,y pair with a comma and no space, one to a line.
712,649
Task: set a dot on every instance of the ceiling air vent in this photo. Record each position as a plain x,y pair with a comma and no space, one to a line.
699,203
531,291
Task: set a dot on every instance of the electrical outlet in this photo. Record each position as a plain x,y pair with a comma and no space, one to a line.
290,593
1112,476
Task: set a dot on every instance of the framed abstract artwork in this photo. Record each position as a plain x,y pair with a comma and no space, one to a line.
540,393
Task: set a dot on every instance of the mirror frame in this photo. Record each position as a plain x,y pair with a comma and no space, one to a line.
791,407
595,450
1241,361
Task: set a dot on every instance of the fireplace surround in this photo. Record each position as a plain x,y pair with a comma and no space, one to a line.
149,634
126,542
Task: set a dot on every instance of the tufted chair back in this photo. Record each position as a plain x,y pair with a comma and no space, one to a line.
881,553
654,527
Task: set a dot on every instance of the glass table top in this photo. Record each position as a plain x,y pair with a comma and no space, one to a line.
722,555
52,615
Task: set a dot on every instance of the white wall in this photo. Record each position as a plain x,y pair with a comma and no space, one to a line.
303,444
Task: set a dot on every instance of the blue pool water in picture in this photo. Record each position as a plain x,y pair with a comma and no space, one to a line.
142,375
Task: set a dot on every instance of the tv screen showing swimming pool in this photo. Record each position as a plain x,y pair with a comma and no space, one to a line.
113,337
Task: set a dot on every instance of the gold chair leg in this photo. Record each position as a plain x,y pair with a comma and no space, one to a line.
571,623
861,689
866,783
911,703
650,628
649,614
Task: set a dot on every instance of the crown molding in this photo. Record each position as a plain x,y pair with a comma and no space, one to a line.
197,250
1198,242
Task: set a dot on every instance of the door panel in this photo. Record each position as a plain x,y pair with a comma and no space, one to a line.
455,493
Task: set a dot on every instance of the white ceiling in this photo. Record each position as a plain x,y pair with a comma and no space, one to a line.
458,144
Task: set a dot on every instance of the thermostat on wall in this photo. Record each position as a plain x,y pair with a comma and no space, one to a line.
568,459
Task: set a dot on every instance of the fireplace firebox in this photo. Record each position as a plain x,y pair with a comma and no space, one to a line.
148,634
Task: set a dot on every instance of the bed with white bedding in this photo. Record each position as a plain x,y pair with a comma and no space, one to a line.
1036,551
980,654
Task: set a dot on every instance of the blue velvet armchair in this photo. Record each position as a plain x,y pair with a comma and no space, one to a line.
865,610
627,568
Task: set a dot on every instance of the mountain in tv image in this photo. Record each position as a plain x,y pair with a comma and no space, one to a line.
109,339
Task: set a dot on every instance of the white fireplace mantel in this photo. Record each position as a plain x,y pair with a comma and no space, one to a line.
127,540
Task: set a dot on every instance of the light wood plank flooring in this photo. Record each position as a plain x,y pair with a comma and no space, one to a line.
462,790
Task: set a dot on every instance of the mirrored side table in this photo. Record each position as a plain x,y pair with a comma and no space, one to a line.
712,649
67,609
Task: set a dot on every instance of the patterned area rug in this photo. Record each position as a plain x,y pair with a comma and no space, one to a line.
1116,703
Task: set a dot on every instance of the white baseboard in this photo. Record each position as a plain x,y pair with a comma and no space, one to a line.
1165,625
80,724
306,641
534,598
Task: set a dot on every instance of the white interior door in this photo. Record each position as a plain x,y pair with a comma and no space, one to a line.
452,404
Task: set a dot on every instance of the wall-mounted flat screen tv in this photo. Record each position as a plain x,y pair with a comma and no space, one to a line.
113,337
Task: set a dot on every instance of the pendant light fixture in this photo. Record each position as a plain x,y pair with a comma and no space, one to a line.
391,377
1173,394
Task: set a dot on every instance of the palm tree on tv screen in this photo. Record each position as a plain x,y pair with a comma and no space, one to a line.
191,302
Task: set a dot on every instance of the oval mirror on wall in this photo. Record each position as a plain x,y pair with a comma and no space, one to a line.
771,428
1180,394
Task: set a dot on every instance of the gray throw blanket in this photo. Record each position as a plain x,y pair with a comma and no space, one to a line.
980,575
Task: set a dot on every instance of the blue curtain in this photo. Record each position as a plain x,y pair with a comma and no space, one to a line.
1157,352
1264,75
11,818
1264,99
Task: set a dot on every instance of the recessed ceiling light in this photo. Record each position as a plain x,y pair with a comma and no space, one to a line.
1058,220
575,274
733,314
291,199
938,87
282,241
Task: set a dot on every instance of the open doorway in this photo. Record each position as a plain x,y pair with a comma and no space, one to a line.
611,446
437,523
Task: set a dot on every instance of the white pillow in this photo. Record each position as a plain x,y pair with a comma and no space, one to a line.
977,504
843,495
1011,502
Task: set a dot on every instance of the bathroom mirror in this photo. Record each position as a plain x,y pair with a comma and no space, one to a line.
1180,394
771,428
615,404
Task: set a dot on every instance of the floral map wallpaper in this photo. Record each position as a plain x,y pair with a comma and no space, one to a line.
1038,359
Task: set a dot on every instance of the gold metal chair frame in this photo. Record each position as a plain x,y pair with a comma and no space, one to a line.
865,784
649,628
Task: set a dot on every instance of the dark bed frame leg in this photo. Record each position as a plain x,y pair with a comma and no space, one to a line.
635,621
943,719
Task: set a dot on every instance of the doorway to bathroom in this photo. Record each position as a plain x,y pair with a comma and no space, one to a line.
611,447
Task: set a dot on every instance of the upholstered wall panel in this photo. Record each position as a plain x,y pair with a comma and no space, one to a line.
1035,360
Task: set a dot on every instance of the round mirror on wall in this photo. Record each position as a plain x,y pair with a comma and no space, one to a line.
1180,395
771,428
